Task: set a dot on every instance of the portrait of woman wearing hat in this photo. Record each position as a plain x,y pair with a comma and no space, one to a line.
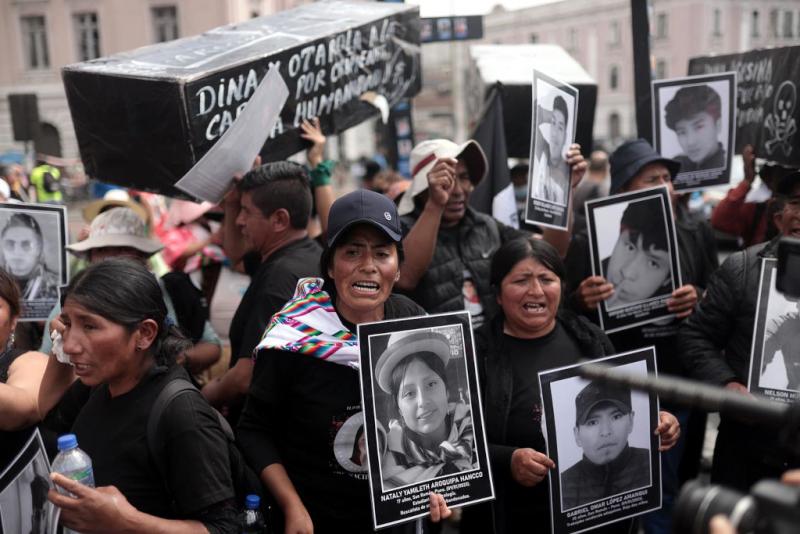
429,434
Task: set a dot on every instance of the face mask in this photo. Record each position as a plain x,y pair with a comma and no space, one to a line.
520,193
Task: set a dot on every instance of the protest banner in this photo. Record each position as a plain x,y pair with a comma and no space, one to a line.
423,426
766,98
143,118
607,475
634,246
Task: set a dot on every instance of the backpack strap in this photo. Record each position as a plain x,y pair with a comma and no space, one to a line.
173,389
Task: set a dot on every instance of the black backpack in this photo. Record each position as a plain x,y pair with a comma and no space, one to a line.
245,480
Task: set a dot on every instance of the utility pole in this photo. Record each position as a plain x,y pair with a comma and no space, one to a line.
642,71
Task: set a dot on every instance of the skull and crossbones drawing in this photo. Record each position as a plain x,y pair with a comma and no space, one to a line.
781,123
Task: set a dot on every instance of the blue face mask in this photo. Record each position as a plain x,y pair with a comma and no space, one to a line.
520,193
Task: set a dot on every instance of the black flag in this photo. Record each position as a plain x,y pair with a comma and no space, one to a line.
495,194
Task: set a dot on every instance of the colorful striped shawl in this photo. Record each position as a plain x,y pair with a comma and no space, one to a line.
308,324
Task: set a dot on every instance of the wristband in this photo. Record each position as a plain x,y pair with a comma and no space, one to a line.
321,174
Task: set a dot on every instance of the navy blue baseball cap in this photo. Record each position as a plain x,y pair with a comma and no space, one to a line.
630,158
363,206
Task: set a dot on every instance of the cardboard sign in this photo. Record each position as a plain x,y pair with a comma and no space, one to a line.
768,113
144,118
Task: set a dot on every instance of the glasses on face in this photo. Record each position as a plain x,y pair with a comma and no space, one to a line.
9,245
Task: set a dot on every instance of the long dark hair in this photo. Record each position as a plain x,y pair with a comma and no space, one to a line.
9,291
124,292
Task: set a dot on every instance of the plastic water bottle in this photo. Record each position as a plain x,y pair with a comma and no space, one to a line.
252,522
72,462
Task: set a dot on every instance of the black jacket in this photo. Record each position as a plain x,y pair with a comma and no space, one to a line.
495,373
471,244
714,342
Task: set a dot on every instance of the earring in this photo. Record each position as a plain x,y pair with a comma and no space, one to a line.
397,277
11,341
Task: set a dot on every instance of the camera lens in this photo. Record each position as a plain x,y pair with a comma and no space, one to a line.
698,503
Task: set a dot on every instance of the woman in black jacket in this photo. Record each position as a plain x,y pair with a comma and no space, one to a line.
531,333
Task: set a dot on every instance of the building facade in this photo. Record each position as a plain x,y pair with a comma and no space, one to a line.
597,33
39,37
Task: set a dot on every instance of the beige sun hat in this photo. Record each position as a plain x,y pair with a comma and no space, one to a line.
423,158
117,227
402,344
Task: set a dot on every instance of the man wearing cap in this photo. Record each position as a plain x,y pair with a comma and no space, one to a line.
609,466
121,232
715,345
694,115
635,165
269,208
448,244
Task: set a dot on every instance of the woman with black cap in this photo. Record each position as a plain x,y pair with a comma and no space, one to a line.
302,414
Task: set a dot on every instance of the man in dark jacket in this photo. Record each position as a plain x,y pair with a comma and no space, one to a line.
715,345
448,246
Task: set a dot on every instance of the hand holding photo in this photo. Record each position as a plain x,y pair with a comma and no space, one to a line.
422,416
634,249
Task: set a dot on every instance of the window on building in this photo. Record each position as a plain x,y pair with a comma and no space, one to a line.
755,31
661,69
572,39
773,23
165,23
661,26
616,35
613,78
717,22
614,126
534,38
34,42
87,33
788,24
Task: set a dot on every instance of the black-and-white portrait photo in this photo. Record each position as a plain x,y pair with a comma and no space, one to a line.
32,240
24,484
634,248
600,436
421,407
775,360
555,106
695,120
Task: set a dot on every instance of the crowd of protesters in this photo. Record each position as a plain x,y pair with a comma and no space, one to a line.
175,290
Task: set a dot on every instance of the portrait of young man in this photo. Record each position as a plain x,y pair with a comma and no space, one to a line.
694,114
604,420
640,264
552,176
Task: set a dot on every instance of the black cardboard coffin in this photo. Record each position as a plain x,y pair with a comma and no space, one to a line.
143,118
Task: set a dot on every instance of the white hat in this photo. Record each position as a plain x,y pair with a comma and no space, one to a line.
114,198
424,157
117,227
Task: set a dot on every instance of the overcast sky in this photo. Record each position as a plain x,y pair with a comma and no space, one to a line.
436,8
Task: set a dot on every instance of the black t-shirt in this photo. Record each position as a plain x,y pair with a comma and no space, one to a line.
11,443
304,413
527,506
113,432
272,285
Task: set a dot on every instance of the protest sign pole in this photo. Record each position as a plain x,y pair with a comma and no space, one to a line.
642,73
